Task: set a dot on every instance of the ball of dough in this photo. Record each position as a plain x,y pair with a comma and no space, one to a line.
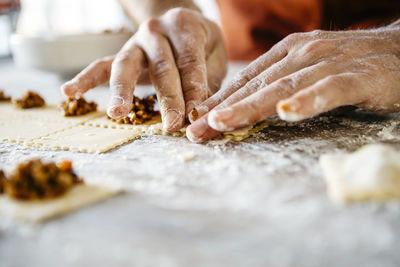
370,173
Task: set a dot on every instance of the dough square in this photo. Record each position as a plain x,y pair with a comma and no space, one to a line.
24,130
84,138
42,210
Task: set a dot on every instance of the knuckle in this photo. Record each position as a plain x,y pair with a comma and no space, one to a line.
176,15
287,84
122,58
255,84
293,38
161,68
150,24
312,47
168,100
187,59
316,34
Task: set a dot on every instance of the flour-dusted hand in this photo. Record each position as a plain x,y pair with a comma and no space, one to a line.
307,74
180,52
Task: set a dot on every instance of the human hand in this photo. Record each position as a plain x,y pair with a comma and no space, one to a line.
304,75
180,52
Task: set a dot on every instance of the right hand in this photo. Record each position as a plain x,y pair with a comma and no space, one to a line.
181,53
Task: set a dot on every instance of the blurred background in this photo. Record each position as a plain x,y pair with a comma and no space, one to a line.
64,36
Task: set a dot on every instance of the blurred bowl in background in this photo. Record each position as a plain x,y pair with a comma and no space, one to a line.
65,55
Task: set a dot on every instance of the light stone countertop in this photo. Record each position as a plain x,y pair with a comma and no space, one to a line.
260,202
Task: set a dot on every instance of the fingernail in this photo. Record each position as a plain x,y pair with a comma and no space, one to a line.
193,115
117,101
217,119
171,120
191,105
289,105
192,137
287,111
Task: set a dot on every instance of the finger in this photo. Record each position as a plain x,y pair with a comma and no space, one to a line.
216,68
199,131
260,105
325,95
275,54
165,77
190,57
93,75
125,72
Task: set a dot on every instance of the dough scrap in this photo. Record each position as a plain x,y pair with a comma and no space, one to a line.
43,210
370,173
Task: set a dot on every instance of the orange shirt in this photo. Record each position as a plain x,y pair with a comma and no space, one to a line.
251,27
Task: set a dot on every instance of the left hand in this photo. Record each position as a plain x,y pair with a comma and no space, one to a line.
304,75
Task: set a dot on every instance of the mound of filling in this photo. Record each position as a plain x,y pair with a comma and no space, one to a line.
29,100
3,97
77,106
2,181
38,180
142,110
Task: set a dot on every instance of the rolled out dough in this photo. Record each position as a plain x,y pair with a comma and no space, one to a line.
93,133
43,210
370,173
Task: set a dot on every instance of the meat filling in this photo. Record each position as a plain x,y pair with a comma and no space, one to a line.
37,180
142,110
77,106
29,100
3,97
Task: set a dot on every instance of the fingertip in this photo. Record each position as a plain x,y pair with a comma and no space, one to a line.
173,121
218,120
69,89
117,112
288,111
192,137
196,130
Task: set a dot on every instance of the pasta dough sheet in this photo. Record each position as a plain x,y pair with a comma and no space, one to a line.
23,126
93,133
83,138
43,210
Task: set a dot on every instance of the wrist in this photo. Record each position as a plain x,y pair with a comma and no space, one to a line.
139,10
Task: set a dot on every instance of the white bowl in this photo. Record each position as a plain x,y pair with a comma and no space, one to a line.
65,55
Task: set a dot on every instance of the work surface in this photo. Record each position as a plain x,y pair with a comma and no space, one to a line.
260,202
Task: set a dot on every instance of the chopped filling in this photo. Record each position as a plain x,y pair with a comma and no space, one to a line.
29,100
37,180
142,110
3,97
77,106
2,181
